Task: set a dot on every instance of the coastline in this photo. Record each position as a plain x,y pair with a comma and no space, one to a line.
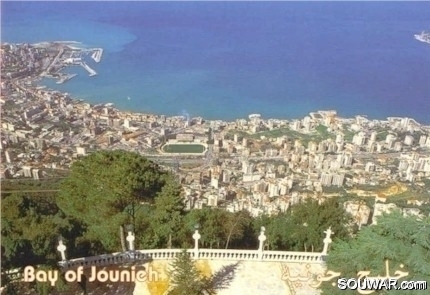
151,50
126,110
221,108
96,54
250,112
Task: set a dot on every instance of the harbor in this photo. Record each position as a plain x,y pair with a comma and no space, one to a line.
69,56
88,69
65,78
97,54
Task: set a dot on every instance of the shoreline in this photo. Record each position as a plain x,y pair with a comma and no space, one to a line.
124,109
96,55
298,117
122,106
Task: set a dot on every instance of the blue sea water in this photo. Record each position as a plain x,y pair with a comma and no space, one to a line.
225,60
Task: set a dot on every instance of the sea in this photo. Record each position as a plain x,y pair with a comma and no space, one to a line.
226,60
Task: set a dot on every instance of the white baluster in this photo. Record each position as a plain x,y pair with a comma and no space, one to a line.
261,238
327,240
196,237
62,248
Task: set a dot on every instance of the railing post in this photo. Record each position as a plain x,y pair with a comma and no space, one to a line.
61,248
196,237
131,254
327,240
130,239
261,238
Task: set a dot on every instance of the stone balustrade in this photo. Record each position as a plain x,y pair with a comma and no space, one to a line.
292,256
101,260
133,256
209,254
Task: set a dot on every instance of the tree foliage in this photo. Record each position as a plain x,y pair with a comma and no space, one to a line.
301,228
30,227
106,189
220,228
186,279
403,241
168,215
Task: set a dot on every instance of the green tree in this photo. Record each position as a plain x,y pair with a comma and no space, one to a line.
220,228
301,228
403,241
212,224
168,215
277,230
311,219
30,226
186,279
238,229
107,189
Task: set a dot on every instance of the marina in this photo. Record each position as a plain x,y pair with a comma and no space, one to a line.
97,54
65,78
88,69
68,56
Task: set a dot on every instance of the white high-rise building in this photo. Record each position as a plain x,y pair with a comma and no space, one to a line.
9,156
359,139
409,140
423,139
370,167
390,138
37,174
338,179
27,171
273,190
226,176
326,179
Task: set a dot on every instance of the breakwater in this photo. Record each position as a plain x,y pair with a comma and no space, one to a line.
88,69
97,54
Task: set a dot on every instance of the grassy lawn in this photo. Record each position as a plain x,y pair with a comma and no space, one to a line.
318,135
285,131
323,133
183,148
274,133
381,135
348,134
334,189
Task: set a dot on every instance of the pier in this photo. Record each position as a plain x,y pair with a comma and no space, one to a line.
97,54
88,69
65,78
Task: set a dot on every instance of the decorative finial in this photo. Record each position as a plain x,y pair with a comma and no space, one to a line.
61,248
130,237
196,237
261,238
327,240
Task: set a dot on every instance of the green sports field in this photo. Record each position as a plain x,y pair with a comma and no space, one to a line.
177,148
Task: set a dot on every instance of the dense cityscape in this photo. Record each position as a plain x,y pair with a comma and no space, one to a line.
258,165
261,165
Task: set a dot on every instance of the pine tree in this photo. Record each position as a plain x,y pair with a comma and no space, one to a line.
186,279
106,189
403,241
168,214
